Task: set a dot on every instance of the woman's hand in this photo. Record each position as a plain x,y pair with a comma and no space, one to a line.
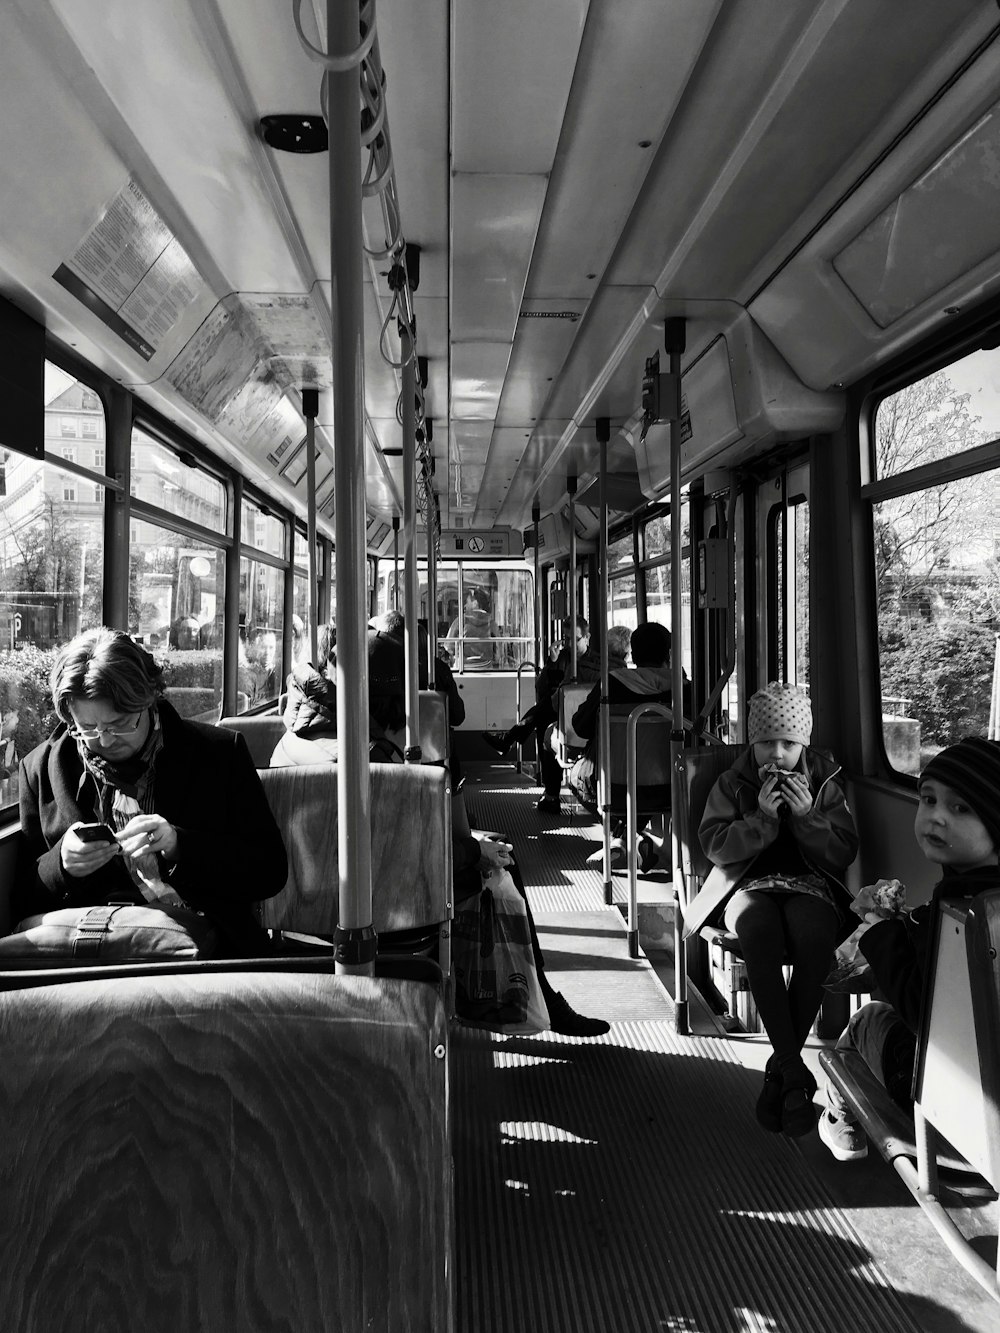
80,858
493,855
148,833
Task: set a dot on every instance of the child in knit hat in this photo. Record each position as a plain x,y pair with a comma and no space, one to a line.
779,832
957,827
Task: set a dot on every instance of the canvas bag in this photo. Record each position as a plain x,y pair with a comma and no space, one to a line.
112,933
496,982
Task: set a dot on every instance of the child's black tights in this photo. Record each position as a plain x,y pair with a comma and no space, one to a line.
774,928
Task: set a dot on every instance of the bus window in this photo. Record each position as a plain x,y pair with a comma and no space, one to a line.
656,575
937,587
51,562
262,605
176,600
485,616
790,606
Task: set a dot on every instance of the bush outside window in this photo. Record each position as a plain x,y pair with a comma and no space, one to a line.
937,574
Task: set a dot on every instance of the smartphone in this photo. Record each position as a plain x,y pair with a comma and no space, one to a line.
96,833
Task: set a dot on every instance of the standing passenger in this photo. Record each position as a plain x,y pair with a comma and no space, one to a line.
778,829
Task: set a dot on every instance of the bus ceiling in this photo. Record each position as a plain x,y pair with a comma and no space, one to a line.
832,211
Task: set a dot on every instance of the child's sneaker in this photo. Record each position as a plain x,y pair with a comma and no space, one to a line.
845,1138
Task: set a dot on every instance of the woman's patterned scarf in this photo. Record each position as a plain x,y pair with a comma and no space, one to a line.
125,790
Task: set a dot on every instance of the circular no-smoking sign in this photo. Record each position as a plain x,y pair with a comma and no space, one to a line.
476,544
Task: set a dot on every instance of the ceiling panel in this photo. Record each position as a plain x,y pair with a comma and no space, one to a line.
499,48
494,222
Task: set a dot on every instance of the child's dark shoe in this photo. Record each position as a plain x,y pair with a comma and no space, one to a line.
768,1108
798,1114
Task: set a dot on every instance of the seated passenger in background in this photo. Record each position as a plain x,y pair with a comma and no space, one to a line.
191,822
312,713
957,827
778,829
647,681
588,668
542,713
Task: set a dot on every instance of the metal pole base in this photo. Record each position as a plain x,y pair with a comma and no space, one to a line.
682,1024
633,944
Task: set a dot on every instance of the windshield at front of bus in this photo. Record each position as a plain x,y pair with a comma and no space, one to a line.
484,615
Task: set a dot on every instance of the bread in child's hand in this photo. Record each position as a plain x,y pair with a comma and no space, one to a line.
886,898
889,896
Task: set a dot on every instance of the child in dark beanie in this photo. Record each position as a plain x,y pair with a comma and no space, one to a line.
957,827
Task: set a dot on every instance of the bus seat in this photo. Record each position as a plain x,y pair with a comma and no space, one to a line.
698,770
410,820
197,703
652,761
565,741
956,1085
262,732
226,1150
434,735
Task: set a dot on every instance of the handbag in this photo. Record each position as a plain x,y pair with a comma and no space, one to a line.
109,933
582,780
496,981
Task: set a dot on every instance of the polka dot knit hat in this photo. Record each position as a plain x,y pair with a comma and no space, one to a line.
780,711
971,768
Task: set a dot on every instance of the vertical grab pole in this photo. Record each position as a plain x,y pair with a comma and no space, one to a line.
571,627
603,427
411,752
539,645
517,709
310,410
674,341
395,562
432,620
354,943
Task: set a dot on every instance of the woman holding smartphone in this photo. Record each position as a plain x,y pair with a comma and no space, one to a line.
127,801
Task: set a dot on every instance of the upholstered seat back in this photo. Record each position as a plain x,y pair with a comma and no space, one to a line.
410,818
238,1150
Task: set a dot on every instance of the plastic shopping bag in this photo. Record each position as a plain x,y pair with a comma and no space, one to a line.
496,982
851,972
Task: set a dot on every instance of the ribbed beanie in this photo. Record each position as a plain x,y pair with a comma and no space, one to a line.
780,711
971,768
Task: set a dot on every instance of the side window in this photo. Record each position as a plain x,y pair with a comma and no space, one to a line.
933,507
788,574
176,596
51,571
263,568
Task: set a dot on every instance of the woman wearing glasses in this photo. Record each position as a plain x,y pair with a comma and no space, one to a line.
189,820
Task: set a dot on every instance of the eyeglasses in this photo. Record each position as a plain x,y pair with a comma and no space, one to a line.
95,733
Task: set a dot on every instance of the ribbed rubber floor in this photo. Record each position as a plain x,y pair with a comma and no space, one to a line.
616,1185
621,1185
